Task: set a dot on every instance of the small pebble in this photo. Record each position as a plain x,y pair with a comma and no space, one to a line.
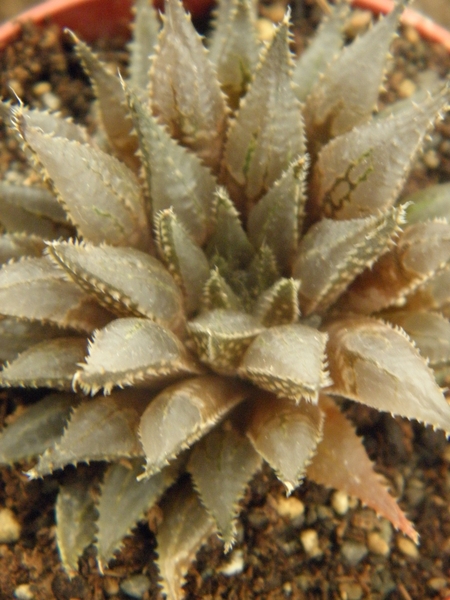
406,88
274,11
111,586
358,23
431,159
9,527
265,30
235,565
42,87
350,591
135,586
353,552
51,101
310,542
23,592
287,588
407,547
291,507
437,583
377,545
339,502
412,35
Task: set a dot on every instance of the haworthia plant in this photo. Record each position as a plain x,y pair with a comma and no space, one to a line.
229,247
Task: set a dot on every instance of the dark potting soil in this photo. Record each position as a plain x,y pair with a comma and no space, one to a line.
318,544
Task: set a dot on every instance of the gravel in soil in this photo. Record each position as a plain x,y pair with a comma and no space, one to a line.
316,544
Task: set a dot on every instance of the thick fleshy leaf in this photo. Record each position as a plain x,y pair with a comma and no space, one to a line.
429,331
222,336
185,260
347,93
288,360
33,430
341,462
17,335
51,123
433,202
75,522
176,178
98,429
229,239
422,250
285,434
17,245
35,289
268,130
185,528
279,305
185,92
51,363
333,253
142,47
234,50
130,351
79,173
123,502
377,365
276,220
323,48
183,413
111,104
218,294
263,271
125,280
221,465
434,294
361,172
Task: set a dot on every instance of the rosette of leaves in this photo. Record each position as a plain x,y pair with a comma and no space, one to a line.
216,266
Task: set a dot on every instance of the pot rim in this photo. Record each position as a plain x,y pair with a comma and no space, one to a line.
66,13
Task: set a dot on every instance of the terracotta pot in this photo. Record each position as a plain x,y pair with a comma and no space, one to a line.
111,17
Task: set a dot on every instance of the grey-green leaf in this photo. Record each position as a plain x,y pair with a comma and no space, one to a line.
130,351
17,335
279,304
142,46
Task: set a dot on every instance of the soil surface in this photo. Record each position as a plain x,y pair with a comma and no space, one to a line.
318,544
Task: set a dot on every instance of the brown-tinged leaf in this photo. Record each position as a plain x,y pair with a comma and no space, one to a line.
268,130
14,246
341,462
229,240
218,294
185,93
133,350
279,305
80,173
98,429
285,434
125,280
432,202
222,464
323,48
263,271
36,428
35,289
288,360
276,220
51,363
333,253
222,336
185,260
75,522
361,172
347,93
429,331
176,178
422,250
434,294
185,528
17,335
375,364
111,104
123,502
183,413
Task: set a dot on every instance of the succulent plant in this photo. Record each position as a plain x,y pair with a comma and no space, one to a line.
217,265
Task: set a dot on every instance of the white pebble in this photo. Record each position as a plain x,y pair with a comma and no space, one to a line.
23,592
9,527
51,101
235,565
288,507
310,542
339,502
